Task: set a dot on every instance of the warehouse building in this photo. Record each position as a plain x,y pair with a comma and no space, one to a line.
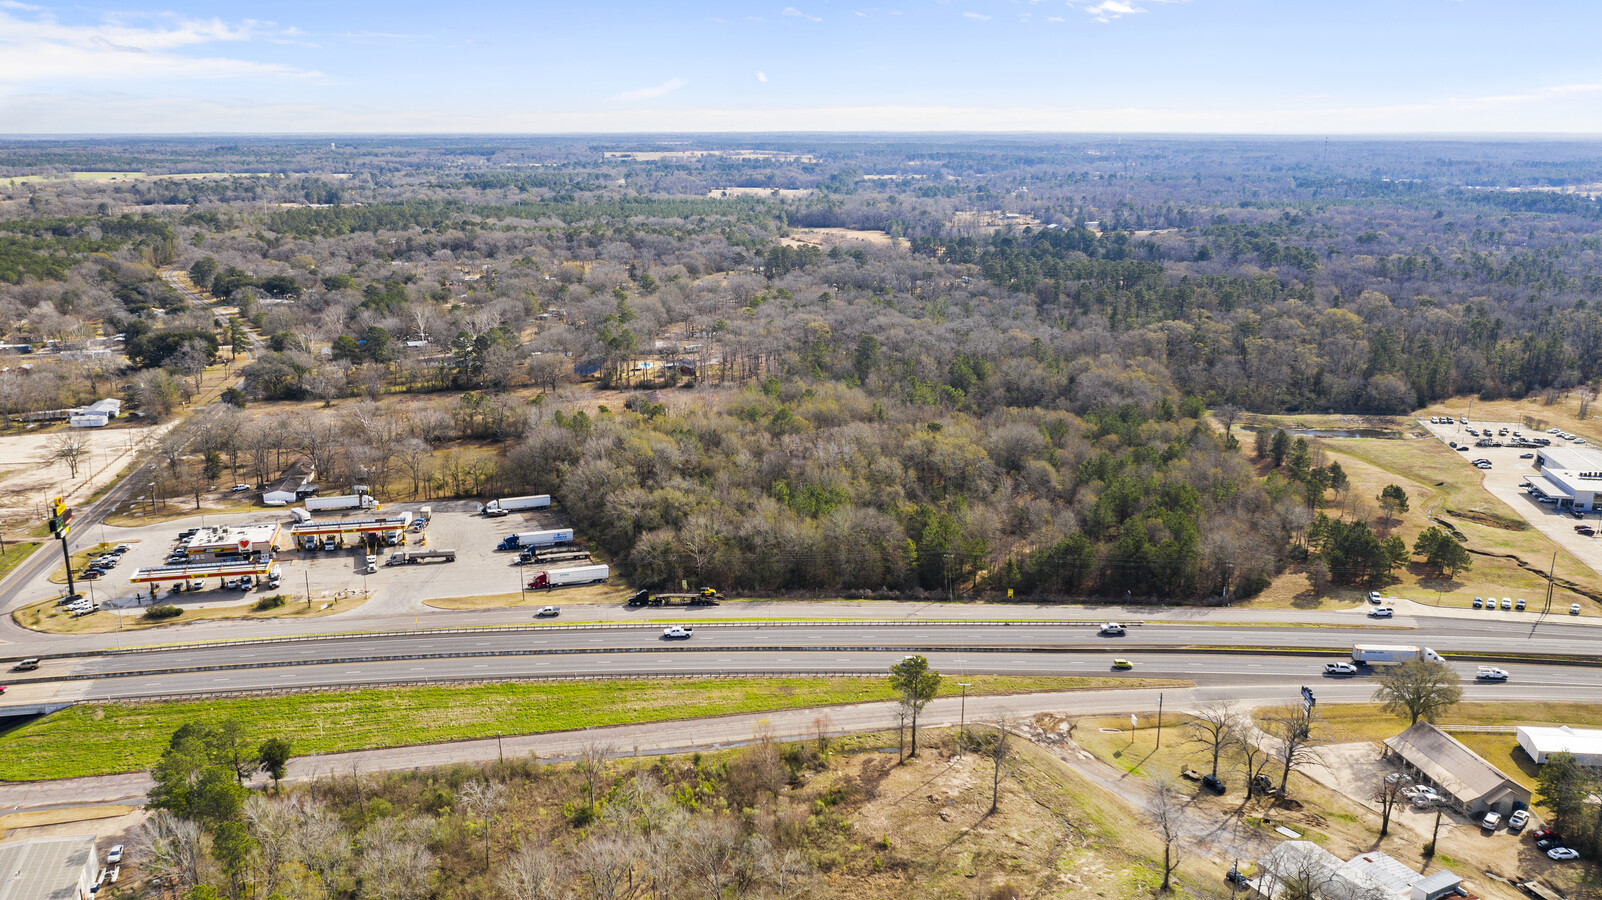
60,868
1570,476
1541,742
1437,759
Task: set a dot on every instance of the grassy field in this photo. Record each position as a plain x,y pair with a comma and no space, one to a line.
15,553
104,738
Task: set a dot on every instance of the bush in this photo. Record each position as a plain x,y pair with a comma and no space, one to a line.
273,602
162,611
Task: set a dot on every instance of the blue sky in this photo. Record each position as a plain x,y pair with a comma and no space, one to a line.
1230,66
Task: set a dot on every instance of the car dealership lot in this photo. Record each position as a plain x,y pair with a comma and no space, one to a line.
1506,475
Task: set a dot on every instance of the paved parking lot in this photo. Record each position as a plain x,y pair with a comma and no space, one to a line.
478,569
1505,477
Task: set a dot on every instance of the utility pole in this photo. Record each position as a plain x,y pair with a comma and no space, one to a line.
962,717
1159,721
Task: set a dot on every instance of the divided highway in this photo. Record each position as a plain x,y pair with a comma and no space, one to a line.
1022,647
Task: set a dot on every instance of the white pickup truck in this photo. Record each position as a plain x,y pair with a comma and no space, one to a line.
675,633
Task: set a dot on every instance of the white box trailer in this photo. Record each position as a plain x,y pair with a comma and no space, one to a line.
1391,654
342,501
536,539
551,578
513,504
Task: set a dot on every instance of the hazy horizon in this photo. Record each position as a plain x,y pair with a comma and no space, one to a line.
1140,67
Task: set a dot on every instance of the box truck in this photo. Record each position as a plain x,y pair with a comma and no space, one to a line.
1391,654
536,539
514,504
551,578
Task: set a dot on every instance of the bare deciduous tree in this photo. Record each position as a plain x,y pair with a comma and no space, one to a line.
1167,812
533,873
1291,727
606,863
70,447
1389,793
171,849
997,750
482,800
395,861
591,765
1213,726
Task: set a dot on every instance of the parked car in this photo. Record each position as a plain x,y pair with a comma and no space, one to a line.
1507,602
1233,876
1491,820
114,856
1339,668
1547,834
1122,664
1574,609
231,584
1562,853
247,582
1519,603
496,512
1519,819
120,549
1374,596
548,612
1526,456
90,575
1384,612
239,488
1479,603
1111,629
1213,783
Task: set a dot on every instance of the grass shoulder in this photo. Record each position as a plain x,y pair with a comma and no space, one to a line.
99,739
46,616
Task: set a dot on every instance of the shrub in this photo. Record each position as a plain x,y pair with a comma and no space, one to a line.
273,602
162,611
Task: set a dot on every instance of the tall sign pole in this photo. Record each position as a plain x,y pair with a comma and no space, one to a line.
60,516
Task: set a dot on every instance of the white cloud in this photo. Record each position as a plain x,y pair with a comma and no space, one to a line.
1055,19
981,17
796,13
1107,10
762,76
651,93
118,50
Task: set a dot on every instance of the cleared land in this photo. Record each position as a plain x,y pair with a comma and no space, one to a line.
101,739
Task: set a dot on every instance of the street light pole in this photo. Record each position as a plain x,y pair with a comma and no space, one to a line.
498,751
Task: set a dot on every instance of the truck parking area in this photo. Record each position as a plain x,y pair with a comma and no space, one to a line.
474,568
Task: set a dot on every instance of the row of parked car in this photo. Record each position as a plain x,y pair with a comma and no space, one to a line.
104,563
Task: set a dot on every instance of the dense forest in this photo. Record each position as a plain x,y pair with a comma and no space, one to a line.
829,364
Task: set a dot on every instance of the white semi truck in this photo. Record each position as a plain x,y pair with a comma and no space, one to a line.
1391,654
551,578
514,504
342,501
536,539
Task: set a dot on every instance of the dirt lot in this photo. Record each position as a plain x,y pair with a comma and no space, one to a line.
27,481
834,237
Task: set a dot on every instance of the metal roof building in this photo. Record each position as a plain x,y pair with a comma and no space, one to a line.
1436,758
1541,742
1299,867
61,868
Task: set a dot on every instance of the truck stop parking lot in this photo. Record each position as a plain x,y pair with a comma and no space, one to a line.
478,570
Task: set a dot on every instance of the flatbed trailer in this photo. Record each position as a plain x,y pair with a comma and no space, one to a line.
412,557
704,597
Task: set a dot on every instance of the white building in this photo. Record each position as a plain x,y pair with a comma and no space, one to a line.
96,414
1540,742
1570,475
60,867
